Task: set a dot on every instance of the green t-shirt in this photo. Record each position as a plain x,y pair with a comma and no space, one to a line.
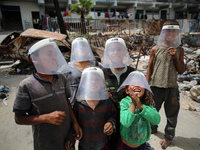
135,127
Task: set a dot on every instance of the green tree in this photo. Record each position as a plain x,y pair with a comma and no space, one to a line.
83,8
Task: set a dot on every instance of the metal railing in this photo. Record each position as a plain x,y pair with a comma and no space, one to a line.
129,26
73,25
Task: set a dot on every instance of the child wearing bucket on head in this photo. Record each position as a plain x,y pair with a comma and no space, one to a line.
116,63
42,98
166,61
136,113
94,110
81,57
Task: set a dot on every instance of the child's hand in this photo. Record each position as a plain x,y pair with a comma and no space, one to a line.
108,128
110,96
56,117
133,97
172,51
136,100
78,130
68,144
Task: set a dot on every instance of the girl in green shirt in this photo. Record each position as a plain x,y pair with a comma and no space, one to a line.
136,113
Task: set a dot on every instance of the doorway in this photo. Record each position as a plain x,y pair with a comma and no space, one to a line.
36,20
11,18
163,14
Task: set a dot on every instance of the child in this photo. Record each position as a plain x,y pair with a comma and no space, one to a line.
116,63
81,57
42,98
94,110
166,61
136,113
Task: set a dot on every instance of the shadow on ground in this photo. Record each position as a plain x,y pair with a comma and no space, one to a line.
182,142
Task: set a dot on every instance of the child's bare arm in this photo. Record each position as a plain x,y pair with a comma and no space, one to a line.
55,118
150,65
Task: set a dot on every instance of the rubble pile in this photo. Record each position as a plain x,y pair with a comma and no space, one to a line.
189,84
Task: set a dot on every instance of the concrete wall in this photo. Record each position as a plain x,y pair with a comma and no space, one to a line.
26,8
156,15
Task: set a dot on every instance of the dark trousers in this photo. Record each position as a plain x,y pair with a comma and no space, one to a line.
114,137
170,98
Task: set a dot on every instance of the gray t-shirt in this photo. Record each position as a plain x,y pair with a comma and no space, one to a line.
36,96
164,69
118,73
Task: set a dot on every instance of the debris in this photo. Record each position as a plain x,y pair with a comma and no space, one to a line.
15,46
188,106
195,93
184,77
3,89
2,95
191,107
191,39
6,62
4,101
197,108
8,66
185,105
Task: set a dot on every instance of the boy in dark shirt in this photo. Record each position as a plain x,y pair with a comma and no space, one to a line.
42,98
81,57
116,63
94,110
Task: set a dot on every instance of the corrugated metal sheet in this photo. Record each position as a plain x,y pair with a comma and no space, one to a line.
34,33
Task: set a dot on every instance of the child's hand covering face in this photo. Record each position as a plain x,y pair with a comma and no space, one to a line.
136,92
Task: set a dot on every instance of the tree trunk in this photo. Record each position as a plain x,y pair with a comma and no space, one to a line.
83,29
60,18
